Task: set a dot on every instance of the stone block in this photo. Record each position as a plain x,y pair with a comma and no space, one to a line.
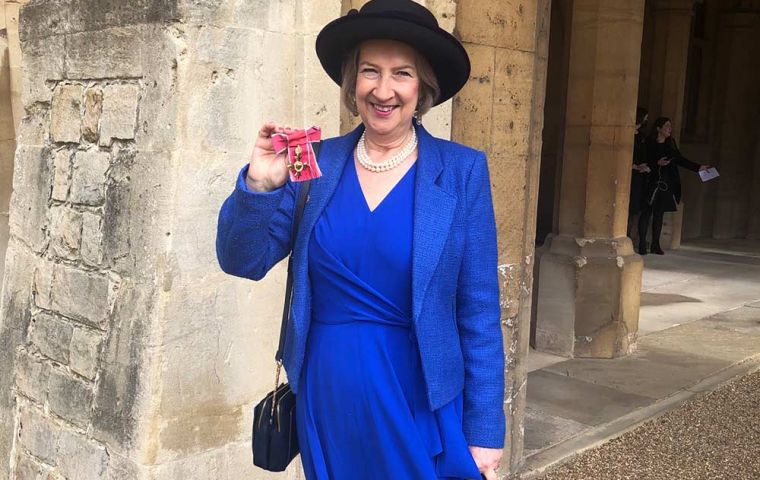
471,108
92,238
107,53
69,398
498,23
32,376
51,336
34,125
28,468
85,348
66,118
43,60
29,203
89,177
93,106
38,434
74,293
119,113
61,172
80,458
65,231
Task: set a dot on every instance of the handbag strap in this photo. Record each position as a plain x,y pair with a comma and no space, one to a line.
303,194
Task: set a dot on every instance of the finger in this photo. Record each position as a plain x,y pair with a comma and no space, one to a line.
267,129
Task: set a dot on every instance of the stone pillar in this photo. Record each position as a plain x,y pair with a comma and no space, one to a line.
128,353
589,277
737,121
667,82
500,110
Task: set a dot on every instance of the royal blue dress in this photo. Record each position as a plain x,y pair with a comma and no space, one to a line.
361,408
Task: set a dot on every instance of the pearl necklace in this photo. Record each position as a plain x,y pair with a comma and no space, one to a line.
393,162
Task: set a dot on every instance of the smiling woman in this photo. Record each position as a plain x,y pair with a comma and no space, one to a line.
394,348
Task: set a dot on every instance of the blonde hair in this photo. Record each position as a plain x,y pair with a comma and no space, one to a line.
428,94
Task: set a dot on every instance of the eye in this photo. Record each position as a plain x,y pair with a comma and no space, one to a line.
404,73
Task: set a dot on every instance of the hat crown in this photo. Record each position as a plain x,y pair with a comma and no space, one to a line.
400,8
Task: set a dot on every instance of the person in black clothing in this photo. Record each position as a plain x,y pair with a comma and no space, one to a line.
663,185
640,171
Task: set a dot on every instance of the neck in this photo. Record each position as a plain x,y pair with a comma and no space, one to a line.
661,138
389,142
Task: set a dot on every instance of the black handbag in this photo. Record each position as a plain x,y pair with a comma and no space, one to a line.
274,440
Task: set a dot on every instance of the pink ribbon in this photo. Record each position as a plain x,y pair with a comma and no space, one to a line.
302,163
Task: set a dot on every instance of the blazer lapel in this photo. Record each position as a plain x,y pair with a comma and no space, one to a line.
433,213
334,155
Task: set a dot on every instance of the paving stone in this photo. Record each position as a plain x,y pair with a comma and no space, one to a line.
543,430
89,177
65,232
85,348
51,336
745,320
65,117
579,401
69,398
119,113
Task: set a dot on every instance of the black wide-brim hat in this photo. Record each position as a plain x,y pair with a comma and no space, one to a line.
403,21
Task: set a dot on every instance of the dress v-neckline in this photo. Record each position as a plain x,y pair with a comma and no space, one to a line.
387,195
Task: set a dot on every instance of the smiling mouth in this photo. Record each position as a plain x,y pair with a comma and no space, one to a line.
383,108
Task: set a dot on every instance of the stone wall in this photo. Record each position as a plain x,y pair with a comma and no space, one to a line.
127,353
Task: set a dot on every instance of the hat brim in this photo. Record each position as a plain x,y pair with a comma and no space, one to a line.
442,50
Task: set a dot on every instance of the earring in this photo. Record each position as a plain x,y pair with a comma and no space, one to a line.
417,117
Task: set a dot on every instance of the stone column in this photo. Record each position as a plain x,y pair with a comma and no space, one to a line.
737,122
589,277
667,82
500,110
128,353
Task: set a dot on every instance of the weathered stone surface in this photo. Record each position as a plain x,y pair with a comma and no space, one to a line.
85,348
69,398
59,288
61,169
38,435
31,376
119,113
29,203
65,231
93,106
108,53
66,116
89,177
80,458
92,238
43,60
51,336
34,127
27,468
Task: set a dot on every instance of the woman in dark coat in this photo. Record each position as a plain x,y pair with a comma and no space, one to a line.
640,171
663,186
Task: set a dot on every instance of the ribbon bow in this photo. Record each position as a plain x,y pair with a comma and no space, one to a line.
302,163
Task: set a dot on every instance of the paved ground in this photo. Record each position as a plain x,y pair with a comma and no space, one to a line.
714,436
700,326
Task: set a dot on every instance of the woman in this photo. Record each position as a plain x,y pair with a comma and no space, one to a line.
394,348
663,189
640,170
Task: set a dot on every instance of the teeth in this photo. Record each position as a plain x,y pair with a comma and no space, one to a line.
384,108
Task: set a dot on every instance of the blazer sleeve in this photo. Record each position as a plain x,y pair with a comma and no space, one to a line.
254,229
478,317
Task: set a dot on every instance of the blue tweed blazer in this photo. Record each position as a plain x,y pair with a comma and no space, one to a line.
455,286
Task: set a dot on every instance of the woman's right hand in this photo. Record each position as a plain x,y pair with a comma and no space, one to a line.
267,170
663,161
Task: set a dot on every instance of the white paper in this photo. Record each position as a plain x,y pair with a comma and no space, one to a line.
708,174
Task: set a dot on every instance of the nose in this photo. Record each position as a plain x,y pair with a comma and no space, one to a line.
383,91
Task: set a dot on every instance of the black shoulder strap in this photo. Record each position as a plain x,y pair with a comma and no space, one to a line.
303,194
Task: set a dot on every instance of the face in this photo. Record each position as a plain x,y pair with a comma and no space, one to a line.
387,87
666,129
